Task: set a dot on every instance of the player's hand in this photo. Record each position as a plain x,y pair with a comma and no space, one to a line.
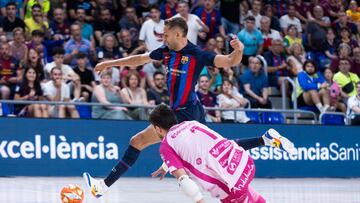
100,67
236,44
160,172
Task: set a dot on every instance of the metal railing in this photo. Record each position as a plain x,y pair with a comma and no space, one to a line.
293,94
153,106
74,103
284,111
142,107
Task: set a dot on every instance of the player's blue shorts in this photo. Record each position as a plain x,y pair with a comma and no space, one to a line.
191,112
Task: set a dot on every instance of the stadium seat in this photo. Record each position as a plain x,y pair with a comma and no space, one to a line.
272,117
6,109
254,116
84,111
333,119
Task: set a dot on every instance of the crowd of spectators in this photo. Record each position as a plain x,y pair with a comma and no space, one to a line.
48,49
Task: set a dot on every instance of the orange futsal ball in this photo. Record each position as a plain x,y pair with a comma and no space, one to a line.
72,193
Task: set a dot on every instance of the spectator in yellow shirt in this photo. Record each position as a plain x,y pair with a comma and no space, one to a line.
36,22
346,79
45,5
354,11
291,37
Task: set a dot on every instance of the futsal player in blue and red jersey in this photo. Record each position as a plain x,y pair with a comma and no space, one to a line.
184,62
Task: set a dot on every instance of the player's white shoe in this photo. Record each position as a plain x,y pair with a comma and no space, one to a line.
273,138
97,187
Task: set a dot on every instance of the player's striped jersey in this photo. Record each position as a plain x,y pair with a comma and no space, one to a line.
210,159
183,70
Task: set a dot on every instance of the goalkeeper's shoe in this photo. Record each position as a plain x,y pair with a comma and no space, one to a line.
97,187
273,138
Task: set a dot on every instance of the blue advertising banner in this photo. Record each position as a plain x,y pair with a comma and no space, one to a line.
54,147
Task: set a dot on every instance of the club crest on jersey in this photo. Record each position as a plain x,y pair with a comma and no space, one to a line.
184,59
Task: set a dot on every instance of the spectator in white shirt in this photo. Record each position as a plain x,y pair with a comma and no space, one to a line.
152,30
353,111
67,71
58,91
290,19
232,99
268,33
255,11
68,74
195,25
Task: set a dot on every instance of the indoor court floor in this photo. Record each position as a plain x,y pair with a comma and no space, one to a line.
142,190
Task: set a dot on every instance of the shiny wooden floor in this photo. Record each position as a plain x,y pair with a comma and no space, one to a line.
142,190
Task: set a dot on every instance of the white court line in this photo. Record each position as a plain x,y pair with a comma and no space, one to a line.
147,190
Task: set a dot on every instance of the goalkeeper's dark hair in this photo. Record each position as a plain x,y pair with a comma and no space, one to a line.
162,116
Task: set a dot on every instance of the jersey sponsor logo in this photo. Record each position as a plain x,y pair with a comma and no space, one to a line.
175,72
178,131
245,178
214,152
166,62
235,161
199,161
232,166
219,148
224,160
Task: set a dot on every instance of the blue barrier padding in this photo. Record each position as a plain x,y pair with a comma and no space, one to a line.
55,147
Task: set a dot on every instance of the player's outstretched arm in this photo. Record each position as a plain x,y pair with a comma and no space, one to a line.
135,60
189,187
234,58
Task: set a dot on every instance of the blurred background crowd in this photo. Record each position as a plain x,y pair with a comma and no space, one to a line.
48,49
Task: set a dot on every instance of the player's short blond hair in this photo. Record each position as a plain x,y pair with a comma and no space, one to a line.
178,22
